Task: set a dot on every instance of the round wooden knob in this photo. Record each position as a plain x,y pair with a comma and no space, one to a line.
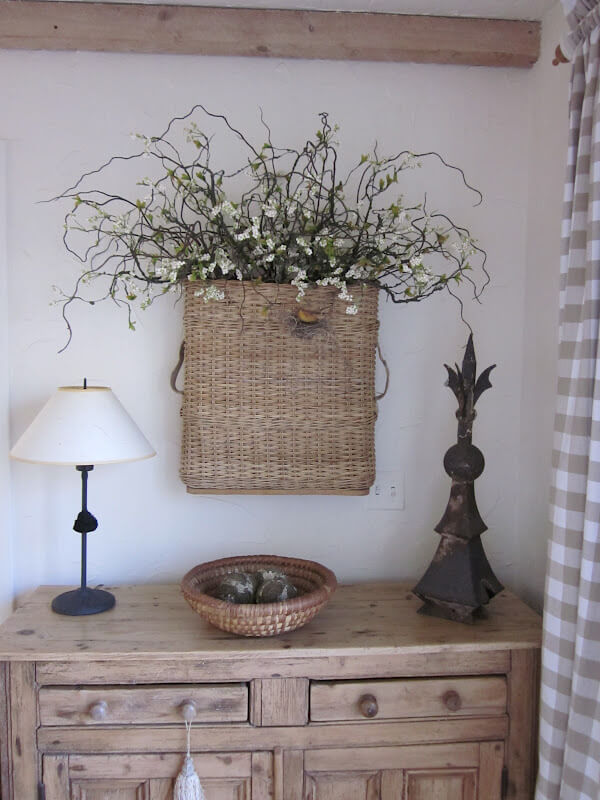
452,700
98,711
189,710
368,706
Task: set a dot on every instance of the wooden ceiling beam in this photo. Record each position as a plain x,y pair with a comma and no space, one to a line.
338,35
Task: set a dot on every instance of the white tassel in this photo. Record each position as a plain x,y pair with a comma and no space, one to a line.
187,784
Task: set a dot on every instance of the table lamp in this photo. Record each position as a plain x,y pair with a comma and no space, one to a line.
82,426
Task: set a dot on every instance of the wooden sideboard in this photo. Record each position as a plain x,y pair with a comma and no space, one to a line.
370,701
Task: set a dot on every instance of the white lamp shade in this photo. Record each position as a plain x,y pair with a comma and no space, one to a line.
80,426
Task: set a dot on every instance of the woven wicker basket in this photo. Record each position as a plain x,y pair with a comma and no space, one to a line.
314,582
272,405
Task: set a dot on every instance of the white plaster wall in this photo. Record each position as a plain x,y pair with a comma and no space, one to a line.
6,582
64,113
540,331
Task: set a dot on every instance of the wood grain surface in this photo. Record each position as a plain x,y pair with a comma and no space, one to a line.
275,33
371,620
231,738
340,700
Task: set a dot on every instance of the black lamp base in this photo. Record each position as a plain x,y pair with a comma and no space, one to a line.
83,601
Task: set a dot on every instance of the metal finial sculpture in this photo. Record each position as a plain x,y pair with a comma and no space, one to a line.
459,580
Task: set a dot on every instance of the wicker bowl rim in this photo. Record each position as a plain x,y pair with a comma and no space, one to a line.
313,598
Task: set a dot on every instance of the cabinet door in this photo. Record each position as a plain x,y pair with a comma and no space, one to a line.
226,776
465,771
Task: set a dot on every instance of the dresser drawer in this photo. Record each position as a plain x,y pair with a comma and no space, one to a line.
147,705
397,699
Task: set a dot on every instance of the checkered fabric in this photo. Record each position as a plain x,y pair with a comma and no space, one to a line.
570,692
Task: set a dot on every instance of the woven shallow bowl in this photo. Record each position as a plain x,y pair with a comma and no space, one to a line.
314,582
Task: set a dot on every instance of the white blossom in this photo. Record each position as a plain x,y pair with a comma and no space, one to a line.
301,242
300,282
120,225
464,248
358,272
210,293
169,268
270,209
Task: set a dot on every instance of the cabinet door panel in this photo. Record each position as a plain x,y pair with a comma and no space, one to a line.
234,789
226,790
228,776
343,786
118,789
459,771
441,785
110,790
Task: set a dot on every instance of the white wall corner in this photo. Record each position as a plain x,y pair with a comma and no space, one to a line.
6,572
548,147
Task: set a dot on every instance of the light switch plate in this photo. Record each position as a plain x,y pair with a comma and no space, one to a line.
387,493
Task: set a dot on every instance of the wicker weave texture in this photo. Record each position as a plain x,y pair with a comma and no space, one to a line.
315,584
272,404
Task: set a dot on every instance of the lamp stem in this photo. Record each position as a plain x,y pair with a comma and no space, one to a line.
84,508
84,600
84,480
83,560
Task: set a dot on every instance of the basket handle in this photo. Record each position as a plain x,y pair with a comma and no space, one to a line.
175,373
381,395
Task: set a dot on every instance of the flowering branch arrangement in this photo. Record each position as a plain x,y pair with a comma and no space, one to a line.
283,215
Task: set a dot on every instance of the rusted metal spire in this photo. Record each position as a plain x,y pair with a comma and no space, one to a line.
459,580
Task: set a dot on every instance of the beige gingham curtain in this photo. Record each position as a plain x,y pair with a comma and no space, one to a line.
570,692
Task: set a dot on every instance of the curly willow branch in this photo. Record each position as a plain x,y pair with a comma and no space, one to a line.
282,215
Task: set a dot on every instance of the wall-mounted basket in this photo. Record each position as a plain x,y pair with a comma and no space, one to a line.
276,401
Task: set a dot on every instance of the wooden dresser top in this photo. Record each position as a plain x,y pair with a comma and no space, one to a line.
154,621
